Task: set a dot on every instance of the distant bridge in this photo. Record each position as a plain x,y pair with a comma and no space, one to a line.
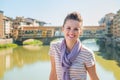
47,40
47,34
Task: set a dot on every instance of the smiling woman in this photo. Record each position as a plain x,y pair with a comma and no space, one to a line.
70,60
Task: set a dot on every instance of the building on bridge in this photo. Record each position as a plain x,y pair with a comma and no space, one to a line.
93,31
36,32
52,31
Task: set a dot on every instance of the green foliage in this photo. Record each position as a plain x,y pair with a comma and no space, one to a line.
34,42
8,45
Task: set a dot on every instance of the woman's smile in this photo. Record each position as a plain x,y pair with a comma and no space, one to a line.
71,36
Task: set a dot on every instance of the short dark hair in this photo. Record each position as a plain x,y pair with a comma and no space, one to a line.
74,16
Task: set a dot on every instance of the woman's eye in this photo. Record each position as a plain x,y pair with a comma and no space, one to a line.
68,28
76,29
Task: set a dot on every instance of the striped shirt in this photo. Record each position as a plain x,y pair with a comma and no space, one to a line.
77,70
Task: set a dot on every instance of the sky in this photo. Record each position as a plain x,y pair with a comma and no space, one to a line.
53,12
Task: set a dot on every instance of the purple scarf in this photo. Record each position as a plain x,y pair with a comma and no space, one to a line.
68,58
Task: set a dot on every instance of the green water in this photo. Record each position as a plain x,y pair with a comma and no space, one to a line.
32,63
25,63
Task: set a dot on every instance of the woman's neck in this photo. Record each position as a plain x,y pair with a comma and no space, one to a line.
70,45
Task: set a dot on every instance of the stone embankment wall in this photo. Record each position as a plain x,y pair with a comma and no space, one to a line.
6,41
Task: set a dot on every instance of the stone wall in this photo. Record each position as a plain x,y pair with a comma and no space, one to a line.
6,41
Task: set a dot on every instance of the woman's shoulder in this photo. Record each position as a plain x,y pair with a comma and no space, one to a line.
54,47
56,43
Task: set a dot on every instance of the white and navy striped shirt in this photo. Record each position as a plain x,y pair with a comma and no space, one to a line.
77,70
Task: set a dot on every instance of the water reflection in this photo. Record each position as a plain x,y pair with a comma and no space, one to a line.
110,68
106,61
35,71
32,62
110,53
110,59
23,58
5,60
91,43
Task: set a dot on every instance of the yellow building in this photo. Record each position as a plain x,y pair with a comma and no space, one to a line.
50,31
32,31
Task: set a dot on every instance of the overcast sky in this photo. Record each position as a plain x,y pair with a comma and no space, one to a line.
54,11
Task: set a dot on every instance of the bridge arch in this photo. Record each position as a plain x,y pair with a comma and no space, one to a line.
47,40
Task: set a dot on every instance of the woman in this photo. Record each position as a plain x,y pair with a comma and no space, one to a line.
70,60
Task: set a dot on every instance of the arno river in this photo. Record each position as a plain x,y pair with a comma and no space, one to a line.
32,63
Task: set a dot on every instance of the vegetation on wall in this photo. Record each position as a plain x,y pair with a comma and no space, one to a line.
8,45
32,42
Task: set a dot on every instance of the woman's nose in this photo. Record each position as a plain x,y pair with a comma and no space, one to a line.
72,31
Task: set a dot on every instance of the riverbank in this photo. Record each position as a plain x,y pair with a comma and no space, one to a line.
6,41
110,65
8,45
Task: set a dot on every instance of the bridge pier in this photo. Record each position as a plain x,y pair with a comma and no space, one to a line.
46,41
18,42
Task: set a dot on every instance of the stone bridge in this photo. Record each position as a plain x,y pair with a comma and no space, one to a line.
47,34
47,40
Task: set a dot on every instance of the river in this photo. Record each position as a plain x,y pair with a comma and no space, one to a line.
33,63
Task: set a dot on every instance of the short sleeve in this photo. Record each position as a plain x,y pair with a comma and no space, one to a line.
90,59
51,50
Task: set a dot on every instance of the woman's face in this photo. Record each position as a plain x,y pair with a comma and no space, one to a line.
71,30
